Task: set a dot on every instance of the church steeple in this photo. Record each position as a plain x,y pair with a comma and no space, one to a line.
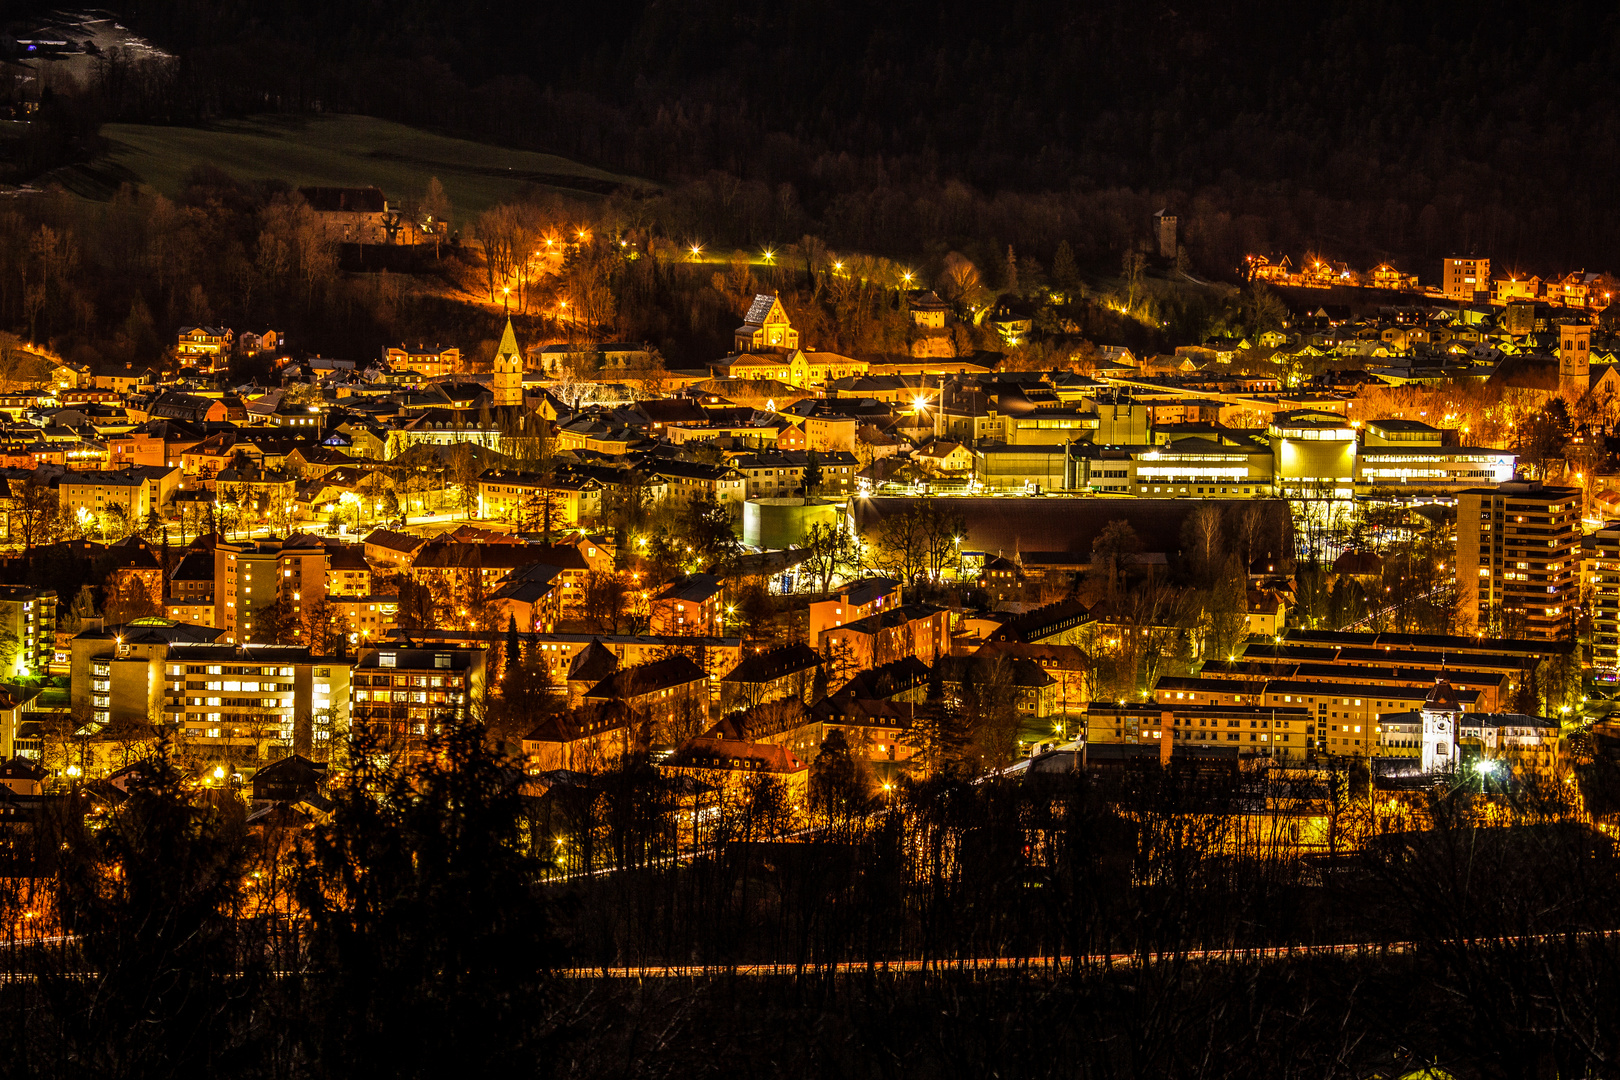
508,381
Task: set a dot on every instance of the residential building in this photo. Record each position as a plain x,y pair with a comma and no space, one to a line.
1465,278
387,548
774,473
688,606
585,739
91,496
116,671
27,626
404,696
688,480
668,698
252,577
430,363
853,601
727,764
786,672
190,595
529,499
1345,716
203,346
782,722
258,701
919,630
1518,552
1604,572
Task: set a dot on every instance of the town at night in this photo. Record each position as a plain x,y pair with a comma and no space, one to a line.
709,539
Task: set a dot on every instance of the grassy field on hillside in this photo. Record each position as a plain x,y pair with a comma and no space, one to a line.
339,151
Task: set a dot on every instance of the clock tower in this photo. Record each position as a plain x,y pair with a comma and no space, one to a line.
508,381
1441,714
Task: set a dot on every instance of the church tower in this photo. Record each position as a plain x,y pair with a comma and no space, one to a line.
508,381
1574,358
1441,714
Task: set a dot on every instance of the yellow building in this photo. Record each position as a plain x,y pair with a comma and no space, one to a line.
89,496
766,326
522,497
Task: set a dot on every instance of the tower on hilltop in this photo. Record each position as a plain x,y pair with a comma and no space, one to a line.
508,381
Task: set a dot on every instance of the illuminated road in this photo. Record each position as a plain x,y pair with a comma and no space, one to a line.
1055,964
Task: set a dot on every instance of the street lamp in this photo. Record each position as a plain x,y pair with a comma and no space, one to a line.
506,295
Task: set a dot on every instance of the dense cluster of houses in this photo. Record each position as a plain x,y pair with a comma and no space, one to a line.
261,541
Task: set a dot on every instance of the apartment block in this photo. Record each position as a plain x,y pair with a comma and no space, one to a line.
89,495
1518,556
1604,572
1463,276
250,576
258,702
28,615
404,696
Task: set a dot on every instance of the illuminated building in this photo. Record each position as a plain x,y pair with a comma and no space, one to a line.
1464,278
1518,546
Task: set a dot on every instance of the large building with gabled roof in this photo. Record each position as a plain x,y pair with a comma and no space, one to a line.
766,326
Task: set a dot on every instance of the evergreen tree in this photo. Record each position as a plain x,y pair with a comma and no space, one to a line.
1065,275
812,472
440,950
511,656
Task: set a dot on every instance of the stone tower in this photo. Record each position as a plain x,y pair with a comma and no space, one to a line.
1164,228
508,381
1574,358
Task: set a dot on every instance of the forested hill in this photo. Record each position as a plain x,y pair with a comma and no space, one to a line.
1370,128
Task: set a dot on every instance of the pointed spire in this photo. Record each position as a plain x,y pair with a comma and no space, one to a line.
508,349
507,383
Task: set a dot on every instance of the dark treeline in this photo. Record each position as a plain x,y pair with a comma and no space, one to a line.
442,914
1362,130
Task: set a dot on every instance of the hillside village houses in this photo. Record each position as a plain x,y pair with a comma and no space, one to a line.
377,544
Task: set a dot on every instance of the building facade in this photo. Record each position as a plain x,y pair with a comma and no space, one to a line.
1518,553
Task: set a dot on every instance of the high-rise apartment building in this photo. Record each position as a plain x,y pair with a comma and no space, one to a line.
1518,554
251,576
28,626
1605,579
1464,276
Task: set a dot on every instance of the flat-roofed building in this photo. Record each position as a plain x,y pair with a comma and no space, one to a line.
406,695
1465,278
1604,575
252,577
255,702
1314,455
1518,553
28,615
